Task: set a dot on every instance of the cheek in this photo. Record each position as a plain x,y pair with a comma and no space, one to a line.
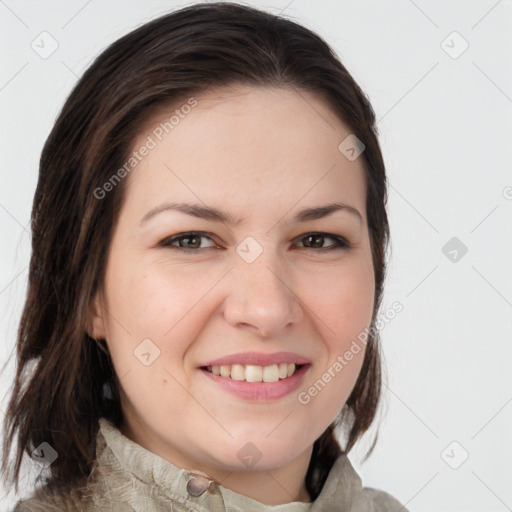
343,304
142,297
154,301
343,301
151,302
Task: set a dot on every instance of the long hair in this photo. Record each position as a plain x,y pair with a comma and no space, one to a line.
61,375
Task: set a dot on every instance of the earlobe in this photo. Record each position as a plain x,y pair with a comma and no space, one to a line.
96,322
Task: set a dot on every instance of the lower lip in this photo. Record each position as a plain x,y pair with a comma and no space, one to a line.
260,391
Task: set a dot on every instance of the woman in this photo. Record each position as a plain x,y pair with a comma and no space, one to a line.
209,239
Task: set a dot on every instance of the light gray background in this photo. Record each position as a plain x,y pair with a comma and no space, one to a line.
445,128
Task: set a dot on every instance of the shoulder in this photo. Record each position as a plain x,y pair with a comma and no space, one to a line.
345,488
48,505
383,501
44,500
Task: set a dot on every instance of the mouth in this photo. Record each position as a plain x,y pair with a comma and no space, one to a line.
257,377
253,373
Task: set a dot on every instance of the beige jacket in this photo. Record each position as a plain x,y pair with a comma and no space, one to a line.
127,477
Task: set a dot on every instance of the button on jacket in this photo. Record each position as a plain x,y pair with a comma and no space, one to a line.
127,477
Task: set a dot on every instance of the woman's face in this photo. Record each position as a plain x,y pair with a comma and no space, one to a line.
252,292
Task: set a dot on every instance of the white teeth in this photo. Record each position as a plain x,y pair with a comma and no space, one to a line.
253,373
237,372
283,371
271,373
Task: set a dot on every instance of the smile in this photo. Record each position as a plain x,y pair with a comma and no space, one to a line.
253,373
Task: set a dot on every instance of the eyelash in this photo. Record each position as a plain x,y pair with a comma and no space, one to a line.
340,243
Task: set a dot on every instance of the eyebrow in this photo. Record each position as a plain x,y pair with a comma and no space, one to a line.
213,214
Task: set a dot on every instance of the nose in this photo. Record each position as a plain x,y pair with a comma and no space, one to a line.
261,297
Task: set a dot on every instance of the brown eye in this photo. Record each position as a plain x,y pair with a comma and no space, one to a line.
186,241
316,241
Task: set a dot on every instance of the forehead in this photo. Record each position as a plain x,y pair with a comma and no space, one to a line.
245,144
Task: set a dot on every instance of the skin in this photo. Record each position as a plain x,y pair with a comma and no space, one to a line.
261,154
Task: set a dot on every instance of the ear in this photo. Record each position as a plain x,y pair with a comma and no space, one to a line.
97,318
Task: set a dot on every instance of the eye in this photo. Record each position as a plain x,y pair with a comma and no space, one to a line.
315,240
186,241
191,241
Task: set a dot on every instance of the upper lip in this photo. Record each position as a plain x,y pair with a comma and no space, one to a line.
259,359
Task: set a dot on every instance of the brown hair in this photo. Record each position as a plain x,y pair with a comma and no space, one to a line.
60,399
